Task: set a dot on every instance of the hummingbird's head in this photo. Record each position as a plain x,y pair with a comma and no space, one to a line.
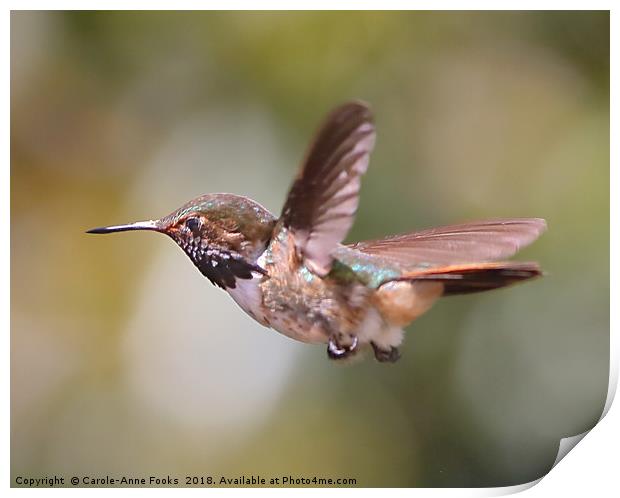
223,234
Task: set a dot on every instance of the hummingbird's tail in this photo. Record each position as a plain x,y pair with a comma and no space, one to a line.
476,277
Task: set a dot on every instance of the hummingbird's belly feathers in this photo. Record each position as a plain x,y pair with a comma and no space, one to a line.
307,312
302,305
294,301
308,308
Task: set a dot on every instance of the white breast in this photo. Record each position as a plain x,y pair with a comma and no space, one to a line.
247,295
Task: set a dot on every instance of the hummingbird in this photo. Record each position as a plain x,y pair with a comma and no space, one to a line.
294,274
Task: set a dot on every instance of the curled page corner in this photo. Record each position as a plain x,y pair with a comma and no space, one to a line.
568,443
565,446
510,490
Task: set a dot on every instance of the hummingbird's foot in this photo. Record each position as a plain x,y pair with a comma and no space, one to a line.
336,351
391,355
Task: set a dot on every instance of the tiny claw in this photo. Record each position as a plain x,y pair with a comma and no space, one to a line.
382,355
353,344
335,352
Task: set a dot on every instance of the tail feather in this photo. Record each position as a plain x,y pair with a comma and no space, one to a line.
477,277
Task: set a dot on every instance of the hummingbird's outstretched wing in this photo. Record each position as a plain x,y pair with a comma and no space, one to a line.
462,257
323,199
476,242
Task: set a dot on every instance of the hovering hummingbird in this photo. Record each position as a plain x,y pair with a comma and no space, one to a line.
294,274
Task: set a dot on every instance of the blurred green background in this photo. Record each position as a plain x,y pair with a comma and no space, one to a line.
126,361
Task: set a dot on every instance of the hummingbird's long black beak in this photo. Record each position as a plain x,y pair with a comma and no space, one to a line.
138,225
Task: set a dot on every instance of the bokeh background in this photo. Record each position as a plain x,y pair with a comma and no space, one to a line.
125,361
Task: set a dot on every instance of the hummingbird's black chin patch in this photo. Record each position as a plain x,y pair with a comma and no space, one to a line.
224,268
221,266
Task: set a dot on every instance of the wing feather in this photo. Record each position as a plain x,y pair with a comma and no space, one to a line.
480,241
323,199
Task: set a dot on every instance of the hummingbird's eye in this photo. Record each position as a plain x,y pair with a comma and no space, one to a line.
193,224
